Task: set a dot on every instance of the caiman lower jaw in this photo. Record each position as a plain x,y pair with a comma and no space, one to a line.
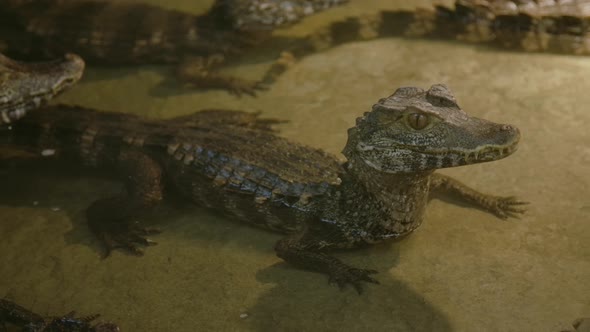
485,153
18,108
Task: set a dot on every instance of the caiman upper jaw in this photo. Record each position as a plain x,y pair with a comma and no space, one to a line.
26,86
416,131
485,152
71,68
75,65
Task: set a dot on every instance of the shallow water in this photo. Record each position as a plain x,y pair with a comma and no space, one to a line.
462,270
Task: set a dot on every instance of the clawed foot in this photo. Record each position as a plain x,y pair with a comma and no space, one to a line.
505,207
109,221
129,237
239,87
199,72
343,275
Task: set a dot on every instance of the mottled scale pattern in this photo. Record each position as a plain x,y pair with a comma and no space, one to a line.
559,26
267,14
111,32
25,86
234,163
248,190
555,25
119,32
213,156
13,315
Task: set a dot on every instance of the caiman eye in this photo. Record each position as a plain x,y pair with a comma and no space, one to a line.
418,121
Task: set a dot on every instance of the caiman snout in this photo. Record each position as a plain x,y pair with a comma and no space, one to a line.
28,85
490,133
511,133
74,65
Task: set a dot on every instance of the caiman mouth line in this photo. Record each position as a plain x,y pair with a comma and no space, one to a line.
18,108
486,152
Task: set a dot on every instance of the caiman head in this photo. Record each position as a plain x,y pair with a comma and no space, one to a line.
415,130
25,86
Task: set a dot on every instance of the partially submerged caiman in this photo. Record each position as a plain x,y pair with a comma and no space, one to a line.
25,86
556,26
233,162
122,33
559,26
119,33
13,315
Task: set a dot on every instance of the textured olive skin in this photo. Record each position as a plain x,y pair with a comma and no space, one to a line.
234,162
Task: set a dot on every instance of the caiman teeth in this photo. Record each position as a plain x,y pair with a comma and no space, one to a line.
489,153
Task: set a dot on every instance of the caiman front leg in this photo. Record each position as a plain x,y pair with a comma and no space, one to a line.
306,250
503,207
111,219
200,72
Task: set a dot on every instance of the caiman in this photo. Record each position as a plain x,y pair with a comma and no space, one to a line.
25,86
12,314
233,162
555,26
558,26
120,33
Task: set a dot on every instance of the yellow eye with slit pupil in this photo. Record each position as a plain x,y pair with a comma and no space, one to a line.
418,121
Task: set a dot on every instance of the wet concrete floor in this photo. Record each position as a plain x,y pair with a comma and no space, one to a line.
462,270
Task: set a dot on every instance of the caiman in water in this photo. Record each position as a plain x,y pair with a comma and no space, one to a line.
134,33
556,26
559,26
12,314
233,162
25,86
122,33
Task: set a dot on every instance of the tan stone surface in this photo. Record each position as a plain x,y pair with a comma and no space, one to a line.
463,270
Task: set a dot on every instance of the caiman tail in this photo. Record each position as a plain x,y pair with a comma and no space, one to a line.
523,25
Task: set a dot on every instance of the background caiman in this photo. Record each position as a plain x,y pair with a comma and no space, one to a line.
559,26
132,33
120,33
233,162
25,86
12,314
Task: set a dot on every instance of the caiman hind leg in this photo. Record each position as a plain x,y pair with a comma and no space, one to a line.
111,219
503,207
306,250
200,72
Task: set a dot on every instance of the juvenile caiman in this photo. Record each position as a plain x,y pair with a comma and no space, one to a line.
25,86
12,314
120,33
554,26
132,33
557,26
235,163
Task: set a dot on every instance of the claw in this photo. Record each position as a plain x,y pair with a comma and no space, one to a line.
343,275
128,238
505,207
239,87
